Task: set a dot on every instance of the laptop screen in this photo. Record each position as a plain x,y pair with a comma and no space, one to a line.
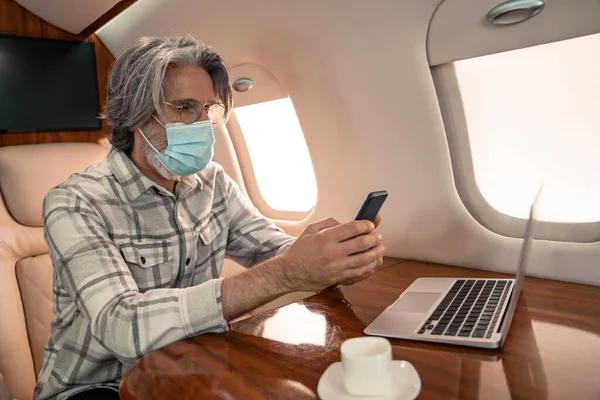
524,257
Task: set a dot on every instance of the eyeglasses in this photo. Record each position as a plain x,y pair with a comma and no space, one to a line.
192,111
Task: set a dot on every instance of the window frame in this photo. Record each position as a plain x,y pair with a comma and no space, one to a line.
249,176
447,88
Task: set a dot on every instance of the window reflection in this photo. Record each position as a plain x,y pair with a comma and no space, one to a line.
295,324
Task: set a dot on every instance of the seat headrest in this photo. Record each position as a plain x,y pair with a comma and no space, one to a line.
28,172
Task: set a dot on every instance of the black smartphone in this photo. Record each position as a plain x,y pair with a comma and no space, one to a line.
372,205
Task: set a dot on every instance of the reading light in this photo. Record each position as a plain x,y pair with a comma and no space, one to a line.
514,11
243,85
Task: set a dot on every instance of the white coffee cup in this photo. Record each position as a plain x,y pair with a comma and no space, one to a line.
367,364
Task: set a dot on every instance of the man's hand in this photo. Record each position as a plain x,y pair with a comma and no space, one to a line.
328,253
377,222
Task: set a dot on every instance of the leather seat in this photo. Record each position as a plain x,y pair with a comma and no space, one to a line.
27,173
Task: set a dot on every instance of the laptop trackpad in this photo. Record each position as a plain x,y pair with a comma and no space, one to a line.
415,302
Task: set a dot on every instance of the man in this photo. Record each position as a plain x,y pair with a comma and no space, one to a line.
138,240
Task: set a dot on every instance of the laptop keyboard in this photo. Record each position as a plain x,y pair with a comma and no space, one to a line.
470,309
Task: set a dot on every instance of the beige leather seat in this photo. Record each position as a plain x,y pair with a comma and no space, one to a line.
27,173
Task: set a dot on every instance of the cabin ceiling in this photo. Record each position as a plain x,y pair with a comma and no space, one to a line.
70,15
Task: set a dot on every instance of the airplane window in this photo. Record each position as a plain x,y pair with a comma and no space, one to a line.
533,115
279,155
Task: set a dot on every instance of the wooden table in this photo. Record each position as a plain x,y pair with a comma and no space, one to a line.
552,350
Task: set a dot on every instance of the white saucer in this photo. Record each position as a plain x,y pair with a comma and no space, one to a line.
406,384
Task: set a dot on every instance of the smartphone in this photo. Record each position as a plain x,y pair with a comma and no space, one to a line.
372,205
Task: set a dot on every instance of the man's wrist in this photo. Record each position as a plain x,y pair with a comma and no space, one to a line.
277,270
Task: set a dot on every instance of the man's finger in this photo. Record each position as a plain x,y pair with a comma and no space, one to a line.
361,243
364,258
377,220
351,229
319,226
355,273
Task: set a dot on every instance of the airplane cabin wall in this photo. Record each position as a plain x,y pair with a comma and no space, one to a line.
16,20
360,81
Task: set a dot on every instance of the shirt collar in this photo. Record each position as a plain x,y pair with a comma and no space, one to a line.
133,181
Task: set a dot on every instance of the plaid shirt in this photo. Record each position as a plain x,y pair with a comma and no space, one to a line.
136,267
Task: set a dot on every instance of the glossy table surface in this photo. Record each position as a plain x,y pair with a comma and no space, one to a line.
552,350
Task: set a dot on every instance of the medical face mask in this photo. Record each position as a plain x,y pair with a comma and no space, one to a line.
189,147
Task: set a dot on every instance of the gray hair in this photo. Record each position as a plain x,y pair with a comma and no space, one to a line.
136,82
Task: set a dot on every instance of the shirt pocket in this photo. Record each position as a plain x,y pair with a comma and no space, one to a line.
210,229
150,262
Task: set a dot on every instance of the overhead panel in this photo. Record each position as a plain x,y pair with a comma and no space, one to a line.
70,15
460,29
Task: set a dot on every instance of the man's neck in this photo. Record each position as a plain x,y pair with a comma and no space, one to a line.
138,159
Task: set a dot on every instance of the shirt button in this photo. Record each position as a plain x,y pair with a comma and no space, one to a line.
143,260
187,262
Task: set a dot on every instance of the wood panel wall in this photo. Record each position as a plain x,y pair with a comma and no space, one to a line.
16,20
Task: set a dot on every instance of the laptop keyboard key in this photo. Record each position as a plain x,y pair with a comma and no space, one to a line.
438,330
451,332
429,327
422,331
478,333
464,333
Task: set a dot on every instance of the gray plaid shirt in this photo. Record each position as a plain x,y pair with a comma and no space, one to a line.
136,267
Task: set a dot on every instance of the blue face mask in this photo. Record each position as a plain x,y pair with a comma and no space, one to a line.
189,147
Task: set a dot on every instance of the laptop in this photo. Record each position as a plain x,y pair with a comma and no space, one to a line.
462,311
